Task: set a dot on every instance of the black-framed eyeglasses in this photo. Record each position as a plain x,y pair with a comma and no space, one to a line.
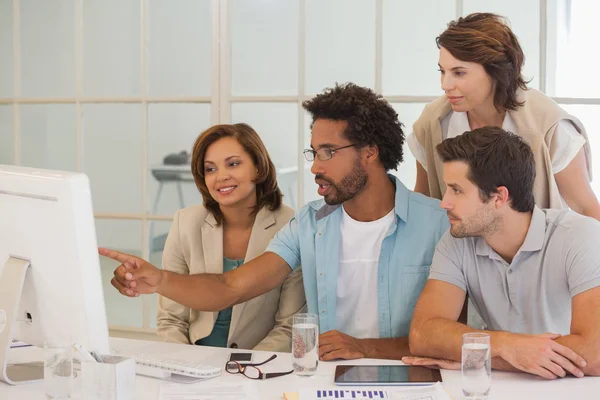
251,370
324,153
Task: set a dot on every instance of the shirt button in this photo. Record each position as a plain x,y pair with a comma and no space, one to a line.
323,311
510,271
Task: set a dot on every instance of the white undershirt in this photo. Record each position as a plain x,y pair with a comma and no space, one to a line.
567,141
357,308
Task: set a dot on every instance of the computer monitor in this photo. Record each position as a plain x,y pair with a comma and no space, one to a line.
50,281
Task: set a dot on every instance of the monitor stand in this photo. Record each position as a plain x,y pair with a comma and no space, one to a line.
12,279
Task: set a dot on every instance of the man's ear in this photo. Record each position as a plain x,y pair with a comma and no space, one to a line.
372,153
502,196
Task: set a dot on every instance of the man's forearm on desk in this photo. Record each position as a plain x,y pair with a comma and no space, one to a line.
438,338
588,348
501,364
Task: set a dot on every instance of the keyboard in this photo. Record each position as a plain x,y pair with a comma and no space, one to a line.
172,369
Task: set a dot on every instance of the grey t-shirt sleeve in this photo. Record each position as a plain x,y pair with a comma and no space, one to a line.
447,262
286,243
582,261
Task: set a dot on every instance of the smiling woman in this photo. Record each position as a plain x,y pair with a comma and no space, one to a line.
226,157
242,211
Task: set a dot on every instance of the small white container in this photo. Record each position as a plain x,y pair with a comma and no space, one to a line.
113,379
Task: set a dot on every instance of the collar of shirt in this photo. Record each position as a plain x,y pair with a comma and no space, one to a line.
394,316
459,124
534,240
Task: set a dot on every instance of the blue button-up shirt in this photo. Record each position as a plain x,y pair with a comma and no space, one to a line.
312,238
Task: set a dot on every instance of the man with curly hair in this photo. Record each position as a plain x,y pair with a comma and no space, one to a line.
365,249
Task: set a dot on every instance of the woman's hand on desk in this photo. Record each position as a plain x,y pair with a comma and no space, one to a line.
134,276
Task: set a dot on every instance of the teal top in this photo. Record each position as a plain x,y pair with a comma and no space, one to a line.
220,333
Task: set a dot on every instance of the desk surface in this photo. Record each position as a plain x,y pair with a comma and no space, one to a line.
505,385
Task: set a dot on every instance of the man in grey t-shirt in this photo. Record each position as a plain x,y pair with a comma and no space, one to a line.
533,275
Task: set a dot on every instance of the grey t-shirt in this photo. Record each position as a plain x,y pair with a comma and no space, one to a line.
559,259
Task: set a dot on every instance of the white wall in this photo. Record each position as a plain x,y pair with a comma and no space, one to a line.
410,55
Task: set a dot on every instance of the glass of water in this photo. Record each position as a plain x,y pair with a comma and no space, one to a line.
305,344
58,369
476,365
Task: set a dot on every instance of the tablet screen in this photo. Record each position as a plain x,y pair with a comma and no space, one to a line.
385,374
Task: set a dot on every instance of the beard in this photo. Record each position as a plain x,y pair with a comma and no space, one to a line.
480,224
348,187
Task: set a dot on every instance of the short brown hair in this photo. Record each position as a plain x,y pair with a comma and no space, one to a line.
486,39
267,191
495,158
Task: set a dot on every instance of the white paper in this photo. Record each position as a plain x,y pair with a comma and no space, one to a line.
244,390
433,392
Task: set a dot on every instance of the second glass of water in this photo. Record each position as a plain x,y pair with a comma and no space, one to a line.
305,344
476,366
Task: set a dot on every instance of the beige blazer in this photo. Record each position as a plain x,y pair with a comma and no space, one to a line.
195,246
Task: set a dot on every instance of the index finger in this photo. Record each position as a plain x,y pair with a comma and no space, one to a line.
429,363
115,255
409,359
568,354
414,360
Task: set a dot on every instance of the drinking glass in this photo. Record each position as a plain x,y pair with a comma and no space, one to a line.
476,365
305,344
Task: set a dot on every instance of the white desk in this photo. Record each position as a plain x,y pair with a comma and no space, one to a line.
504,385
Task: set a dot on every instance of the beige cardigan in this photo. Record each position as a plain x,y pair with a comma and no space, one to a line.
195,246
536,123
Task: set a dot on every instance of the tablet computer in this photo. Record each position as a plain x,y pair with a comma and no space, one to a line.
385,375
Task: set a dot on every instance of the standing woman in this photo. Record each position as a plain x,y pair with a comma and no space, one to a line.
481,74
241,213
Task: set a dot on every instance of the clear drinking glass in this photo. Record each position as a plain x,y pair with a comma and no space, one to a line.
476,365
305,344
58,369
